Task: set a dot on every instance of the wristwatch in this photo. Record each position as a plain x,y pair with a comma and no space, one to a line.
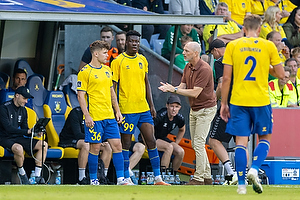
175,90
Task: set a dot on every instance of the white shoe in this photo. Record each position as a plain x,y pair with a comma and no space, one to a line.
234,180
242,190
124,182
254,180
95,182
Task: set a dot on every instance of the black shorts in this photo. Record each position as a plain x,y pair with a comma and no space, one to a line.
132,145
68,143
165,139
218,128
7,143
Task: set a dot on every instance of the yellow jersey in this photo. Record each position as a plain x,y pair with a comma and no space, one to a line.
130,72
229,28
238,9
266,29
258,8
250,59
283,5
96,82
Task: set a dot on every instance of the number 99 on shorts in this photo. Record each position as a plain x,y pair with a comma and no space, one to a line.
127,126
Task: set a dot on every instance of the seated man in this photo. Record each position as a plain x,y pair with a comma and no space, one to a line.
186,29
167,119
15,136
227,32
281,91
137,150
72,135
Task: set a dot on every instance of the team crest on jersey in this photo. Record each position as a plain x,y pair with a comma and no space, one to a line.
243,5
78,83
141,65
57,106
127,67
255,41
107,74
96,76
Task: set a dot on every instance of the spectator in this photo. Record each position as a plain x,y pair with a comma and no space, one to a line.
167,119
207,7
72,135
15,136
186,29
292,28
101,111
106,34
179,60
184,7
271,21
152,6
238,9
285,6
120,41
228,32
281,91
197,84
295,53
259,7
293,65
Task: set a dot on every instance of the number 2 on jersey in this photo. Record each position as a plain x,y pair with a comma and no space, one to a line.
248,76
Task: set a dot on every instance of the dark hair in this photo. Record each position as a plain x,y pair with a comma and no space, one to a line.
98,45
121,32
290,60
291,19
19,71
132,32
271,35
106,29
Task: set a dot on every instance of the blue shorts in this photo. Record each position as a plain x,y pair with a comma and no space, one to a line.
130,121
244,121
102,130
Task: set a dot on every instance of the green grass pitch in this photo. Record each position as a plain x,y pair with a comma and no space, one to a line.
178,192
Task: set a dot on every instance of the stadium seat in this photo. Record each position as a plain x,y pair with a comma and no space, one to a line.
158,44
22,64
145,42
55,108
71,96
6,96
5,78
37,90
153,38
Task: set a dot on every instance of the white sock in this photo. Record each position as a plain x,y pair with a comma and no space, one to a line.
130,172
158,179
81,173
21,171
228,167
37,171
105,171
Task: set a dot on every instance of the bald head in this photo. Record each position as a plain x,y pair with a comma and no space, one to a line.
194,46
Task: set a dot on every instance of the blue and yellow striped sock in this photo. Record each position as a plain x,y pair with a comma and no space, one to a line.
118,161
154,160
260,153
93,165
240,163
126,162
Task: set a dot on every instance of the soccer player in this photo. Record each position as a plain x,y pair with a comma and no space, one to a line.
130,76
249,60
98,103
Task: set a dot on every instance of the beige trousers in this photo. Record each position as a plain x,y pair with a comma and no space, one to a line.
199,127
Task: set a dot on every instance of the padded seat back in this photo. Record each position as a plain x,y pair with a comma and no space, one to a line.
55,108
5,80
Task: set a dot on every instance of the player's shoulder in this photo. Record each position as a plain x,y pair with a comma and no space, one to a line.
180,117
162,112
85,68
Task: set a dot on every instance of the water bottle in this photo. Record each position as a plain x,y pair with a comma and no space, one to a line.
212,179
191,177
32,177
58,178
143,179
177,180
217,180
167,178
148,178
222,180
163,176
151,178
171,178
